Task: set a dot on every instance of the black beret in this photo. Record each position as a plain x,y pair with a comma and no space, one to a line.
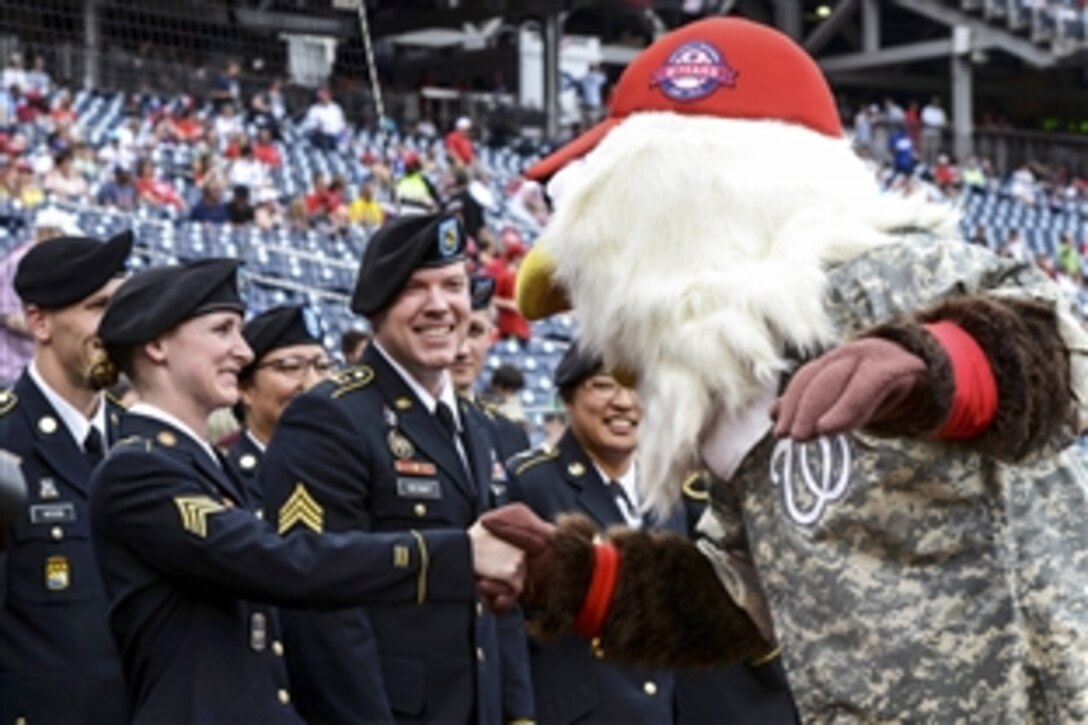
398,249
483,289
279,327
61,271
158,299
576,366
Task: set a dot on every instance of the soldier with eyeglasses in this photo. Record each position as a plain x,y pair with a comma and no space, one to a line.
288,359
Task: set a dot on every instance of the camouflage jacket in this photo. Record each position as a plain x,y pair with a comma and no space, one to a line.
913,580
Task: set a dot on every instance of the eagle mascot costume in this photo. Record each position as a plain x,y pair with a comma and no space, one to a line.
889,416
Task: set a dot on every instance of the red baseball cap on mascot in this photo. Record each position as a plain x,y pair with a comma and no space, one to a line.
723,67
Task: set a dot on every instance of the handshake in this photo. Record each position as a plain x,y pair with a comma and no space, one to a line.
512,553
550,568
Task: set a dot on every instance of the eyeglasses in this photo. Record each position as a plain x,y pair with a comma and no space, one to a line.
603,387
296,367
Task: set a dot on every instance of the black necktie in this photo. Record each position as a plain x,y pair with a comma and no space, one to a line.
623,501
92,446
445,419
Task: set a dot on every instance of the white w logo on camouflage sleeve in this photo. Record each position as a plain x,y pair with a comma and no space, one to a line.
823,477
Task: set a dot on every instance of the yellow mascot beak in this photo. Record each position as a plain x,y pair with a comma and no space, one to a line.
538,295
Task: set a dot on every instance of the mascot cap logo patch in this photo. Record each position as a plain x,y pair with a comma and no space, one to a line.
692,71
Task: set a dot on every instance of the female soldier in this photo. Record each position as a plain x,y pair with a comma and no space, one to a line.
183,562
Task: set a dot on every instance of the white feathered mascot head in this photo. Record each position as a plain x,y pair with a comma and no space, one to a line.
693,228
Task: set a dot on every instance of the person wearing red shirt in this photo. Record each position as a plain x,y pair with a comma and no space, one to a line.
510,322
459,143
265,149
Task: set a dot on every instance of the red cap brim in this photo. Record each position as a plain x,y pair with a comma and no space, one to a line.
543,170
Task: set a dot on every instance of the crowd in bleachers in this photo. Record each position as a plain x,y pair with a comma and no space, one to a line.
295,192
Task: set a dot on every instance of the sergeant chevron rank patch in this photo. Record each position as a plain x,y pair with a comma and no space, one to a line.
300,508
194,512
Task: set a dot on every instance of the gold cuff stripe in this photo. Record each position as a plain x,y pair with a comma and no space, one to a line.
424,562
194,511
766,658
691,491
300,508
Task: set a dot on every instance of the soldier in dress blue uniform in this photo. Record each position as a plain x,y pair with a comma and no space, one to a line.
389,447
186,562
58,663
592,470
509,437
288,359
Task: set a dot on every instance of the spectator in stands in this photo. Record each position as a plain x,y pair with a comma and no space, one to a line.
119,192
324,122
466,203
265,149
210,209
459,143
365,209
1022,186
507,382
228,122
268,108
14,75
591,89
1014,247
352,345
112,156
63,181
934,123
974,176
528,207
247,171
415,192
38,82
63,115
902,150
510,323
225,89
1069,260
267,213
980,236
16,345
946,175
863,130
155,192
184,127
239,210
894,115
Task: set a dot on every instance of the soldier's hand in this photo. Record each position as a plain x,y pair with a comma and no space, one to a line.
860,383
497,560
517,524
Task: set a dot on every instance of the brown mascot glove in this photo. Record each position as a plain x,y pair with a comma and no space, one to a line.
559,563
869,382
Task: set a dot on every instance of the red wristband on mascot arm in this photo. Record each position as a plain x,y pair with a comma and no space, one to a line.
606,568
974,403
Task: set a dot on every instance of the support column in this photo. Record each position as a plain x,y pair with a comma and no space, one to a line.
787,16
870,25
552,32
962,94
92,45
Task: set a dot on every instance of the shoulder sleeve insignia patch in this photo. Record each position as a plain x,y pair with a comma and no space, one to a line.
300,508
195,511
352,379
8,401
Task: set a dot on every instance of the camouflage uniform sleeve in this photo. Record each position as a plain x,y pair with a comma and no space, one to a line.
1027,329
